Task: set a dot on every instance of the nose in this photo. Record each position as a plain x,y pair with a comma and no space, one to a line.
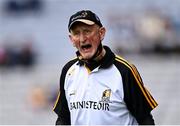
82,37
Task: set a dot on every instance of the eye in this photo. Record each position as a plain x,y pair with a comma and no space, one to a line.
87,31
76,33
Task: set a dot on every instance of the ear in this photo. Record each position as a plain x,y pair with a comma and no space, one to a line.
102,32
71,39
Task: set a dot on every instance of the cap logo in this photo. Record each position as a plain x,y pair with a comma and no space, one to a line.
82,15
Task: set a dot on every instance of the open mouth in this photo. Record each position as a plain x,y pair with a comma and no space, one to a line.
86,47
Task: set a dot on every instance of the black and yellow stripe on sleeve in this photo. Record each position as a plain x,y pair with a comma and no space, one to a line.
57,99
139,81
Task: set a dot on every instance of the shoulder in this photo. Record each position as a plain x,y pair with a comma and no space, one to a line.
69,64
122,64
65,69
127,68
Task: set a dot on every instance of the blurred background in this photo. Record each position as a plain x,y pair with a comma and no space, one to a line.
34,46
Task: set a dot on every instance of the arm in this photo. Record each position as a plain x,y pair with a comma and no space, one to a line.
61,105
148,120
139,101
62,110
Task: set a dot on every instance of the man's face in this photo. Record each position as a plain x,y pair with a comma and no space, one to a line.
86,38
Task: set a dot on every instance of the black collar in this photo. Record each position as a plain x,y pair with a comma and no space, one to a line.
105,62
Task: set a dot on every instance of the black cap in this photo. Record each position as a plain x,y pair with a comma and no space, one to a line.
85,16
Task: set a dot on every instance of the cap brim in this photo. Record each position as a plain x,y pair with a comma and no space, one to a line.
88,22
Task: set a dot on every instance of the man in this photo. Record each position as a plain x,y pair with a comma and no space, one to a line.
99,87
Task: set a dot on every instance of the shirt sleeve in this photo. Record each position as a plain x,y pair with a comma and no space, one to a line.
138,99
61,106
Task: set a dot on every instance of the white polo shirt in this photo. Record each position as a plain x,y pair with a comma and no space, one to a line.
96,97
111,94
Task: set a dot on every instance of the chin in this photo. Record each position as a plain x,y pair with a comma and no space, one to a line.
87,57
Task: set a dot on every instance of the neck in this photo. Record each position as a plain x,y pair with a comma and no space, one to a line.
96,61
98,53
101,55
